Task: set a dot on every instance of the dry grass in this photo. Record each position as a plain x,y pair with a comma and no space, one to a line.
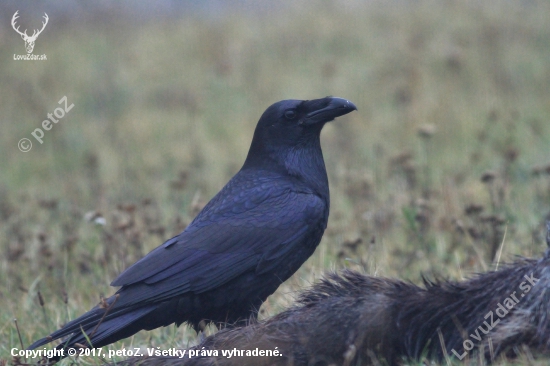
450,148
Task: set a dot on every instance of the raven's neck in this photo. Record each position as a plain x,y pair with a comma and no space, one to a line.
303,162
306,164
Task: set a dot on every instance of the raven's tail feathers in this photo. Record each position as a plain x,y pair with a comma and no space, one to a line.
100,329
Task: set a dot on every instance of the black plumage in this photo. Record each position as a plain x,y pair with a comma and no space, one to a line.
252,236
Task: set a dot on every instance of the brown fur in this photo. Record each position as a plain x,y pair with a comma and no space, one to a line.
353,319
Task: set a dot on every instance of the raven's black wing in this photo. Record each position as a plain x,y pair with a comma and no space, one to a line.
249,225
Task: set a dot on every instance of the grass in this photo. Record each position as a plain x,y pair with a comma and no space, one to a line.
449,150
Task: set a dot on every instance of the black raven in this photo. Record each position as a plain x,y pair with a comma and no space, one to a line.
253,235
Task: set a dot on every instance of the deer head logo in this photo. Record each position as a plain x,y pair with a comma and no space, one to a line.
29,41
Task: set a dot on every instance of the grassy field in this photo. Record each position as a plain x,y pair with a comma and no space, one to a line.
447,159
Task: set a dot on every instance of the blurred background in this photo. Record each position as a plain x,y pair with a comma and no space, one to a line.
444,171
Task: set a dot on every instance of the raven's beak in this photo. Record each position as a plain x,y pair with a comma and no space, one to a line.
336,107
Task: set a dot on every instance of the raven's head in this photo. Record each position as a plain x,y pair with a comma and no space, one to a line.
291,124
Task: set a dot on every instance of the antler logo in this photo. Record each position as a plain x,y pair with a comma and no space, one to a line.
29,41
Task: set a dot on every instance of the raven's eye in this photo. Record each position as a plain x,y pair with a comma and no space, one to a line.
290,114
